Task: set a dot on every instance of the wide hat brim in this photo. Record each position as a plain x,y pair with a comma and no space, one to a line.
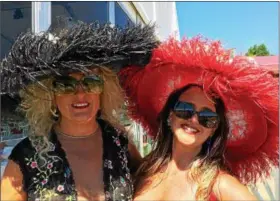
74,47
250,95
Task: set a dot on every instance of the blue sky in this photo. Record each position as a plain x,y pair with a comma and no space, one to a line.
238,25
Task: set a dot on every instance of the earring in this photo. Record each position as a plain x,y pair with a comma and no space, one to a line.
54,112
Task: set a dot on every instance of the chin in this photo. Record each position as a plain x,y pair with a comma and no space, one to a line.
82,117
186,139
82,120
187,142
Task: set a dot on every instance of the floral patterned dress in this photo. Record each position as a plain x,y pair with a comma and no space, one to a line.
53,179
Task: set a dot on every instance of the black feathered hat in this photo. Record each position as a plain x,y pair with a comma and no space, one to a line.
74,47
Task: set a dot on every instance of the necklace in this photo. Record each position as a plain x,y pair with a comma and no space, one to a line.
71,136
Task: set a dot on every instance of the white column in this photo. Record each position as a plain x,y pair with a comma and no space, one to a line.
41,16
111,10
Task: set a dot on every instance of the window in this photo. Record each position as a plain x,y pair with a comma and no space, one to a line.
121,18
84,11
15,19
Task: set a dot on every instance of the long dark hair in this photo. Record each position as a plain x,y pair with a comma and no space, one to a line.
157,160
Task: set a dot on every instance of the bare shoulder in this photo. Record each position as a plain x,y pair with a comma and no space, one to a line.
11,183
228,187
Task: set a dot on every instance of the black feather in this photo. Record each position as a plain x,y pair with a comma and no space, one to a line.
79,46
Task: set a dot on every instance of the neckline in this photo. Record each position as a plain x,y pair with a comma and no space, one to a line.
103,125
58,133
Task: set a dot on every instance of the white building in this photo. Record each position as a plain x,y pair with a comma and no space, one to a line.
17,17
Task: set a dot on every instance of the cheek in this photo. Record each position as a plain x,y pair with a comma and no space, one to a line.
208,132
63,102
212,131
94,99
174,122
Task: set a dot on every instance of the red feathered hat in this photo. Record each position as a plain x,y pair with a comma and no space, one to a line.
250,95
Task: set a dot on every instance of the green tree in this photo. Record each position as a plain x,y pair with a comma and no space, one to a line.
258,50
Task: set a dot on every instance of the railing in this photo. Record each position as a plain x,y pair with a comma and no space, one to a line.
11,130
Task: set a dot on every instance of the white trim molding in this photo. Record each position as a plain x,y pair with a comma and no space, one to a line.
140,9
128,9
41,16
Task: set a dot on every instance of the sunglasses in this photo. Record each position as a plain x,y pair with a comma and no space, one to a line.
68,84
206,117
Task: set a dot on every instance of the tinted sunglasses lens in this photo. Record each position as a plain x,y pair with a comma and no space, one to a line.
93,83
64,85
184,110
208,119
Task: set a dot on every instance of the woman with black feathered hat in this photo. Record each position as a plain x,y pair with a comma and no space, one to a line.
70,94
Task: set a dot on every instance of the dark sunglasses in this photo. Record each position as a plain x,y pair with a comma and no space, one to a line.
68,84
206,117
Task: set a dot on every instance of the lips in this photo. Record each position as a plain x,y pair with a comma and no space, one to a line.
189,129
80,105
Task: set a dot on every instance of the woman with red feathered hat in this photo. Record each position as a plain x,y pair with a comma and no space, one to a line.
214,117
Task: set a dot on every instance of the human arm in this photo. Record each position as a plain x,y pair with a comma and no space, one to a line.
11,183
228,187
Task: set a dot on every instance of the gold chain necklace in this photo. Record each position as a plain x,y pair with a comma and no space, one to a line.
71,136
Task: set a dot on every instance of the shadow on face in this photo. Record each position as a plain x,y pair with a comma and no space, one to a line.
189,132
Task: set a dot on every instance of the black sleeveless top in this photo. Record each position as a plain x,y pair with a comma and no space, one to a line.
54,180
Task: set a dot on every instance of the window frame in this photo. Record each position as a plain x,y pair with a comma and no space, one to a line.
41,14
129,10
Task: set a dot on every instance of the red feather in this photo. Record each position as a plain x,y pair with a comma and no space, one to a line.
241,84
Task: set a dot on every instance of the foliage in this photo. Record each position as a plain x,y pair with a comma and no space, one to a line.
258,50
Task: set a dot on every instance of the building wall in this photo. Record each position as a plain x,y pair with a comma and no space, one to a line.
164,14
12,17
18,17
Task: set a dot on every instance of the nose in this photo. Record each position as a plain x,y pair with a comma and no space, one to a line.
194,119
80,90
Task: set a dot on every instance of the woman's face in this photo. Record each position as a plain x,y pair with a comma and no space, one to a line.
190,132
81,106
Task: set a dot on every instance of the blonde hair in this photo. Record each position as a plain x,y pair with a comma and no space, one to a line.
204,175
37,105
112,98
